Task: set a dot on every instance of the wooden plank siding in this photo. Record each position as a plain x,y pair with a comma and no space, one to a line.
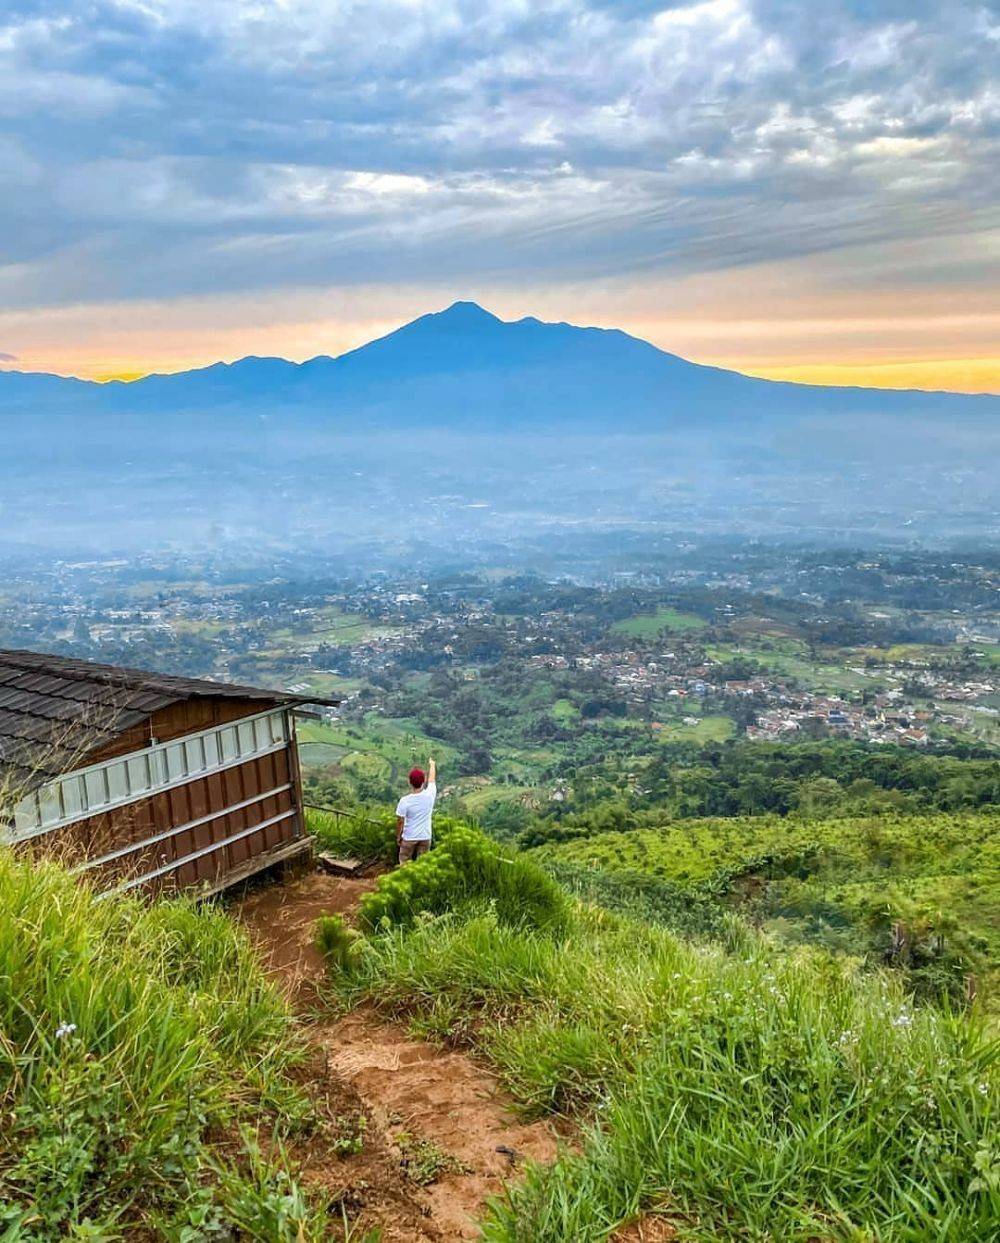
132,777
173,722
217,806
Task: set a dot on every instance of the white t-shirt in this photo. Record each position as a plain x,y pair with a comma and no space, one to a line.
416,811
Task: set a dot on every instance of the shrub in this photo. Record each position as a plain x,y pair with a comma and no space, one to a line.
365,835
464,866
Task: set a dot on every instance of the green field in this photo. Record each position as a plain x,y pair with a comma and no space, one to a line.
478,797
565,712
648,625
381,750
841,883
790,657
708,729
329,625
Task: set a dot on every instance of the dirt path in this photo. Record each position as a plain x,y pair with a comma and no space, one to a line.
431,1114
281,918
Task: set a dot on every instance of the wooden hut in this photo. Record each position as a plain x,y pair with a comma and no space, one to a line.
146,779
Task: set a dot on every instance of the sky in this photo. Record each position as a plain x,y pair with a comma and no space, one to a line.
794,189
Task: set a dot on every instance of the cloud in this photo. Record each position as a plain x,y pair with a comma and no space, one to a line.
168,148
8,358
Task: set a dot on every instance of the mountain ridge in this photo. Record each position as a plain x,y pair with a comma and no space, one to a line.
457,320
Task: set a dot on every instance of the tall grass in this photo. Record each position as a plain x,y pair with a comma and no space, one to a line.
753,1096
362,835
129,1033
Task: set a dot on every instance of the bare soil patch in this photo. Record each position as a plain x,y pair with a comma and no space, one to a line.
281,920
440,1135
418,1090
646,1229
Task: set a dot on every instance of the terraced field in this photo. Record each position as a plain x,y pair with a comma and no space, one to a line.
861,885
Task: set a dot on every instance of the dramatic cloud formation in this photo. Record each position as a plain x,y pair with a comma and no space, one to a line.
164,151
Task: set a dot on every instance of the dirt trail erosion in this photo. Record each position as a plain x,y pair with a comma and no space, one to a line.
440,1136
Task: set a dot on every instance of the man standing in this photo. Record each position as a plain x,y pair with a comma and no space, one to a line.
413,814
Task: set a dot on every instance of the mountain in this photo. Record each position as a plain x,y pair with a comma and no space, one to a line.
465,369
462,427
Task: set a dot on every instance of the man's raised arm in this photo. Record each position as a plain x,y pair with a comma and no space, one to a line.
431,772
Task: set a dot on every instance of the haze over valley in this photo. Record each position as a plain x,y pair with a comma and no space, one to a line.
460,426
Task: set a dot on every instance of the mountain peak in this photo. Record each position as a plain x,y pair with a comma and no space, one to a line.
465,312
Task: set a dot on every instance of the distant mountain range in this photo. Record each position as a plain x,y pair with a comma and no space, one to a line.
465,369
461,428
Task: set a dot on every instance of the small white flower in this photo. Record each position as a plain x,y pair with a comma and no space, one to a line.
64,1030
984,1089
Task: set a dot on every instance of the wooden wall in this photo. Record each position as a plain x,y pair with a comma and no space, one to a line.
199,799
188,717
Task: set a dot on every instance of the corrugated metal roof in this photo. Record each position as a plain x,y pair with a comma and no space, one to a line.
54,710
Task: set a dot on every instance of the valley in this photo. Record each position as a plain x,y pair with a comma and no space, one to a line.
815,732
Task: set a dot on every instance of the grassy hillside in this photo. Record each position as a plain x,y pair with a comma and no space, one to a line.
141,1053
847,884
741,1091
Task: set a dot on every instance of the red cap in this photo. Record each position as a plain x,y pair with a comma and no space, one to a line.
416,777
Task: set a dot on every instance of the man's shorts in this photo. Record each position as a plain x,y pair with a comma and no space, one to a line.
413,850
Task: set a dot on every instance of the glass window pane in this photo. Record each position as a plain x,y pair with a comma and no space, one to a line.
72,795
278,722
138,773
211,744
117,781
175,761
262,729
97,793
26,815
227,737
247,744
49,807
194,755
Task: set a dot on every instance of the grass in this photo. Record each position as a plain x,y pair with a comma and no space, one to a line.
329,625
565,712
648,625
365,835
707,729
131,1036
789,657
476,799
424,1162
841,883
753,1096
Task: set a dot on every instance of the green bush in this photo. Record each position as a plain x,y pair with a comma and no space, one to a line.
364,835
464,866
